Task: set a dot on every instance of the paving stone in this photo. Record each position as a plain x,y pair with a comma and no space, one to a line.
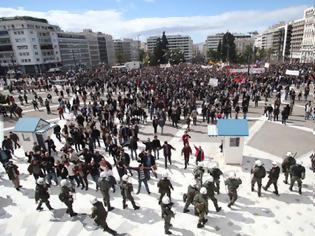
217,228
230,223
301,229
289,233
277,221
288,217
299,213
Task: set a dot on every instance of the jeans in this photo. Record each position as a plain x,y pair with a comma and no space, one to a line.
52,176
95,179
145,182
156,153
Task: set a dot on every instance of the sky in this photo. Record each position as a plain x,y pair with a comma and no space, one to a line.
139,19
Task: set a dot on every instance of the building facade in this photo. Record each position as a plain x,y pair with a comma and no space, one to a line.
126,50
213,41
181,42
308,42
28,44
277,41
296,39
74,50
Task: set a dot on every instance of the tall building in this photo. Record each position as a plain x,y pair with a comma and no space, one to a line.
277,41
212,41
74,50
308,42
126,50
296,39
28,44
181,42
242,41
101,47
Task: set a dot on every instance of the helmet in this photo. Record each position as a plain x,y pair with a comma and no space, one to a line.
299,162
289,154
203,190
103,174
125,177
200,164
40,181
166,200
274,163
64,182
93,201
232,175
258,163
165,174
210,179
193,183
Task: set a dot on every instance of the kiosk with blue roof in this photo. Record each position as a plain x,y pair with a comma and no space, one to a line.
33,130
233,131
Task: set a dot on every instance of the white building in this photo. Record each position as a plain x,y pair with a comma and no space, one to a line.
181,42
74,50
126,50
101,47
308,42
258,41
28,44
213,41
296,39
242,41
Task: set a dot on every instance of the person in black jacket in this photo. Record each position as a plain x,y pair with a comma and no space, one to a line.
258,173
286,165
156,146
42,195
297,174
133,146
57,130
167,151
273,177
99,214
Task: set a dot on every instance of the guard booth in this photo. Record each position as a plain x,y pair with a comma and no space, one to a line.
233,132
33,130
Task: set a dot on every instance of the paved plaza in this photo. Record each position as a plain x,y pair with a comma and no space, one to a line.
287,214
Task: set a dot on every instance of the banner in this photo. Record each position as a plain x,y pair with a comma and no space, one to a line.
251,70
292,72
213,82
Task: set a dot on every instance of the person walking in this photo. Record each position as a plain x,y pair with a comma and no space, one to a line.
232,184
273,177
297,172
66,197
167,151
167,214
99,214
258,173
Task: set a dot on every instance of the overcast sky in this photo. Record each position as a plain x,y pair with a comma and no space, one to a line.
143,18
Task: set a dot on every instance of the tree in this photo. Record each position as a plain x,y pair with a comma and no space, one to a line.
228,48
176,56
219,51
120,58
161,50
213,55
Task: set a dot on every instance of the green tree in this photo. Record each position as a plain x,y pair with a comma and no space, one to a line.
213,55
228,48
120,58
176,56
161,50
219,51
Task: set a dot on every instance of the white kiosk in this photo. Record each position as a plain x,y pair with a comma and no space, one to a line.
33,130
233,131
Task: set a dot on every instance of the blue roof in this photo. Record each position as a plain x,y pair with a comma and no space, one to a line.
27,124
232,127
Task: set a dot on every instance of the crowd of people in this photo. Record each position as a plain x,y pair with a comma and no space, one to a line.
108,108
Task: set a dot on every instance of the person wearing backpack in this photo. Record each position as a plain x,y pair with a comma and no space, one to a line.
258,173
13,174
66,196
286,165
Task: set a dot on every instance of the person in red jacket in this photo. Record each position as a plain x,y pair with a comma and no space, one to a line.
186,151
185,138
200,155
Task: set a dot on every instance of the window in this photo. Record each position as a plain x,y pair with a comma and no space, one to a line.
234,142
